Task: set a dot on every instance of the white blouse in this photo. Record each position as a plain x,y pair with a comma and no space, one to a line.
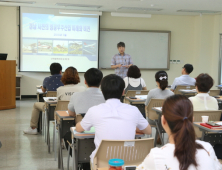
164,159
134,82
203,101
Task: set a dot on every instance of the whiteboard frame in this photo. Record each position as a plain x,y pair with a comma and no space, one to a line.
155,31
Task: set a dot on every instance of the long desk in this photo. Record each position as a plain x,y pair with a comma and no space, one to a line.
213,136
186,91
83,144
138,100
64,122
49,115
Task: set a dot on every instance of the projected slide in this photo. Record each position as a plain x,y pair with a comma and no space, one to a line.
68,40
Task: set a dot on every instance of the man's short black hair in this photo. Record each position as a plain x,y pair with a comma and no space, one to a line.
93,77
112,86
120,44
188,68
55,68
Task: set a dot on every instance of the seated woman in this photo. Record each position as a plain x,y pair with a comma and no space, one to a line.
182,152
202,101
160,92
70,79
133,81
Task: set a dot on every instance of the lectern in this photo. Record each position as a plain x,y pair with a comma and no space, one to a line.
7,84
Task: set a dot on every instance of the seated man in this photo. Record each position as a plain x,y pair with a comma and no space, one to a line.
50,83
113,120
80,102
185,79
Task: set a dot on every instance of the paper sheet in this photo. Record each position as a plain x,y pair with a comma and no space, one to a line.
39,91
142,97
219,123
158,108
67,112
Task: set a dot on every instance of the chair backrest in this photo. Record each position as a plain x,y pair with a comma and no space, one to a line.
51,94
150,113
214,115
214,92
78,118
133,93
179,87
61,105
133,152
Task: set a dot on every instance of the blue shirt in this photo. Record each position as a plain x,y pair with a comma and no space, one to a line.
51,83
124,60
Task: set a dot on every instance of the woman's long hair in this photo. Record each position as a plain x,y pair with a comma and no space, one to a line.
178,112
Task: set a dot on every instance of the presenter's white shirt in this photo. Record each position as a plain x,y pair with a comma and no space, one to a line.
113,120
183,80
134,82
65,92
203,101
163,159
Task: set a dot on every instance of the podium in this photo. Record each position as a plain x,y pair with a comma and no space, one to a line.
7,84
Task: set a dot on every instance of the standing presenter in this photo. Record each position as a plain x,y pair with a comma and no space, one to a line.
121,61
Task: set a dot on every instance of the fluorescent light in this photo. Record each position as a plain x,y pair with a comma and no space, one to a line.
78,5
74,12
21,2
116,14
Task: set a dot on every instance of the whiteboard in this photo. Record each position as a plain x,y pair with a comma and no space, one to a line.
148,49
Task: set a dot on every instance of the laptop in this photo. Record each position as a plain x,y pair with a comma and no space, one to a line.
3,56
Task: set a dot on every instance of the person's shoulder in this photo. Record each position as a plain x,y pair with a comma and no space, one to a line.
154,90
126,78
206,145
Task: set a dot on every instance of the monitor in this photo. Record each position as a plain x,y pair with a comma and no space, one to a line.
3,56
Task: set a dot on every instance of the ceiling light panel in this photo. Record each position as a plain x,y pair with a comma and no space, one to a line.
20,2
199,11
78,5
138,9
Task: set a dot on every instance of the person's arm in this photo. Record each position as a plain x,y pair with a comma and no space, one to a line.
71,109
79,127
143,84
113,63
73,114
147,130
173,85
116,66
149,97
86,123
142,124
43,89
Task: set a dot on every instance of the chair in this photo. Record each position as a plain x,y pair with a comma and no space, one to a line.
214,92
152,116
133,93
133,152
214,115
179,87
61,105
44,124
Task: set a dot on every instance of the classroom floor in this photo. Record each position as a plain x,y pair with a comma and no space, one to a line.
25,152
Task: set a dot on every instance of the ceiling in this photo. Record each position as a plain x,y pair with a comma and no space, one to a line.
169,7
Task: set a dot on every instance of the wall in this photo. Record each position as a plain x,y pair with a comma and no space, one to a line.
194,39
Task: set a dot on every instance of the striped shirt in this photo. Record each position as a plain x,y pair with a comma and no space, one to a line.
124,60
